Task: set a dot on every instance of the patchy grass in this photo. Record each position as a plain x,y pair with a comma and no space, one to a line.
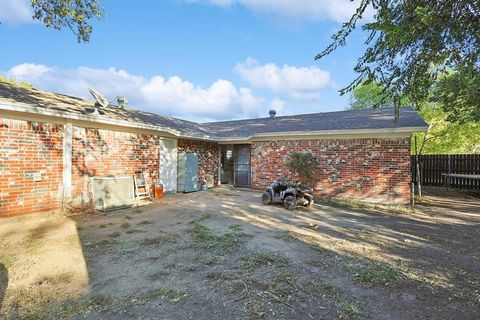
285,235
125,225
164,294
264,259
115,234
7,261
244,235
371,272
144,222
137,211
223,244
161,238
102,244
200,218
130,231
159,275
100,299
351,308
60,278
38,302
357,204
218,275
235,227
212,260
84,207
14,82
283,285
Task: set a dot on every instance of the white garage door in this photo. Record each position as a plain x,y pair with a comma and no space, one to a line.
168,164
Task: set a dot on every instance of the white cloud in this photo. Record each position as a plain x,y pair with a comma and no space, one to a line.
169,96
289,81
14,12
308,10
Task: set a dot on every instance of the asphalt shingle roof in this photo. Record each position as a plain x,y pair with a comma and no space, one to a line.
329,121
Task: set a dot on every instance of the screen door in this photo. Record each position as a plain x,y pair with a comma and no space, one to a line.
242,165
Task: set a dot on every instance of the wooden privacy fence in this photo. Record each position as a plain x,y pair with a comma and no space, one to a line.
433,165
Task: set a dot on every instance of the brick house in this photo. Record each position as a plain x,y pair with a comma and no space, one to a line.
51,145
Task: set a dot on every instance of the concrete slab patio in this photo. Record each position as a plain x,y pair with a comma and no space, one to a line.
221,254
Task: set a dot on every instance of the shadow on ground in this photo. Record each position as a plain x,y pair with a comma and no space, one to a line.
222,254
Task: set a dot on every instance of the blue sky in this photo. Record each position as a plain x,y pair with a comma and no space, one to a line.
194,59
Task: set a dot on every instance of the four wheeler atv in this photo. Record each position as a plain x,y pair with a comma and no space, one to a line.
288,192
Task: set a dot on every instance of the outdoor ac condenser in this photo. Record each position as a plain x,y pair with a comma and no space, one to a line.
113,192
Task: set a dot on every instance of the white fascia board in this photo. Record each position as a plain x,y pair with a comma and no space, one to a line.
322,134
26,108
326,134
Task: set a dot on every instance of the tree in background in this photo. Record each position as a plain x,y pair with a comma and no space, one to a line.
411,43
458,92
14,82
370,95
74,15
443,135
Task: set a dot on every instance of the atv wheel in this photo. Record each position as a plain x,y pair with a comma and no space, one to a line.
267,198
310,204
290,202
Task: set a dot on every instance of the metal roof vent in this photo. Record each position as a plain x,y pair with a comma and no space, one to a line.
272,113
122,102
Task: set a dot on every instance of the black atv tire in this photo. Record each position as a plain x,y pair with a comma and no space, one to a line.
290,202
267,198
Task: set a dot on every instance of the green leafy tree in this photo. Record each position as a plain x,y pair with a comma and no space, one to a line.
14,82
458,92
443,136
304,164
370,95
72,14
410,43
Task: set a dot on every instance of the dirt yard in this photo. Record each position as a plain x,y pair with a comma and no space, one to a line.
221,254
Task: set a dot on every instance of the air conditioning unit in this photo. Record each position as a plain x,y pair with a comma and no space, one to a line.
113,192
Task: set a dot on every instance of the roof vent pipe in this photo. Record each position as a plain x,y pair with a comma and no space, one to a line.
122,102
272,113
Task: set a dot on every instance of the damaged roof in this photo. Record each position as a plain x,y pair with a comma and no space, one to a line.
25,99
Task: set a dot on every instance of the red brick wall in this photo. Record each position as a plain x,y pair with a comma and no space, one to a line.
102,152
28,148
207,156
368,169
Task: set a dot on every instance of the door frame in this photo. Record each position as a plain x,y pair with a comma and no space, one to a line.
234,159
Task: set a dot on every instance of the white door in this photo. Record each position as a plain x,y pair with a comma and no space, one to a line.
168,164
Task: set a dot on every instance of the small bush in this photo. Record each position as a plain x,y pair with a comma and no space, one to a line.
304,164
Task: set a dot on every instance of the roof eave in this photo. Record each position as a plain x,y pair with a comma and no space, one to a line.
30,109
33,110
325,133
